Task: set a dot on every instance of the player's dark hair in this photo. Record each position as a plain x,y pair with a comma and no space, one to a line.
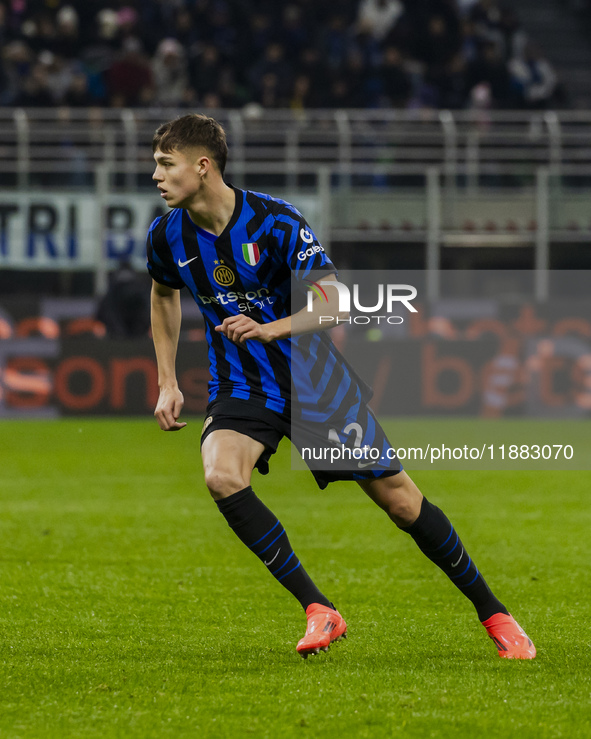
192,131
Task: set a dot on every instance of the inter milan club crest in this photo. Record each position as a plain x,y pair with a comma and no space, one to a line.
251,253
223,275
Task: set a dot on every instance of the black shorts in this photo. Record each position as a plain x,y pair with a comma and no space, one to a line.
348,435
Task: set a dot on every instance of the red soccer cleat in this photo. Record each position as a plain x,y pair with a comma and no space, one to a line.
325,625
509,638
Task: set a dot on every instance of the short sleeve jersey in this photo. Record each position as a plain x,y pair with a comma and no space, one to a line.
250,268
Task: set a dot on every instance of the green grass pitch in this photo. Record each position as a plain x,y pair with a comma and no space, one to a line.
129,609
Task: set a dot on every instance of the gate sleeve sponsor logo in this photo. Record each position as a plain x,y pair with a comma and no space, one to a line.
309,252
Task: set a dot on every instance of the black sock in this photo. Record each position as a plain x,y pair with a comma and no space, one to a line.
259,528
438,540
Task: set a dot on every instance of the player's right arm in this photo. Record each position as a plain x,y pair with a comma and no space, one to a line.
166,327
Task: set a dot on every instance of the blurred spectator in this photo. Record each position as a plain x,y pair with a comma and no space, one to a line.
301,96
129,79
490,68
78,93
59,73
336,40
100,53
40,31
229,91
108,24
270,92
125,307
4,30
206,71
364,43
223,32
294,33
169,69
339,95
357,75
439,42
514,37
378,17
272,62
212,101
464,6
127,19
396,85
312,65
471,41
303,53
36,91
259,36
486,14
448,84
184,29
535,76
17,60
68,41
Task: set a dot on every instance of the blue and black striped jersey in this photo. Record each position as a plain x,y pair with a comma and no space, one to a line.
250,268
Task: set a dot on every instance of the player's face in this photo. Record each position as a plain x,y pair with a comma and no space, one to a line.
178,177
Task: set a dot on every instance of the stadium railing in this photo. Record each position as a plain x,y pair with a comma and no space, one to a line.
434,179
284,142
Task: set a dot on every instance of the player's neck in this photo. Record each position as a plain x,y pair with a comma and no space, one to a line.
213,207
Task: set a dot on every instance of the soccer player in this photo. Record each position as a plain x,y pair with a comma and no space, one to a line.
238,253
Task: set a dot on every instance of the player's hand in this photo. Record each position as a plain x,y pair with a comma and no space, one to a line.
168,409
240,328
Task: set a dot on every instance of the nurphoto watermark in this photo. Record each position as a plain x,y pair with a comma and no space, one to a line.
479,372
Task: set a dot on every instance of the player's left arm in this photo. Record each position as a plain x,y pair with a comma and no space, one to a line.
242,328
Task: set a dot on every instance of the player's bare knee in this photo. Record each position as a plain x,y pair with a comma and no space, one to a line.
403,503
222,483
403,512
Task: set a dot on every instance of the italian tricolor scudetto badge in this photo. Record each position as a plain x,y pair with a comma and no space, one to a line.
251,253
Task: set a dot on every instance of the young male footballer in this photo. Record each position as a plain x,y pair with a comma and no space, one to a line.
239,253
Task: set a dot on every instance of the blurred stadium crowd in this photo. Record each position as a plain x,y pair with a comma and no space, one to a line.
298,54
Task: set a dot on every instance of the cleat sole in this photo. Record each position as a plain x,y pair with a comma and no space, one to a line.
317,650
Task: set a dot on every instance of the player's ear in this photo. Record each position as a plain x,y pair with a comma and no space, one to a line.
203,165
